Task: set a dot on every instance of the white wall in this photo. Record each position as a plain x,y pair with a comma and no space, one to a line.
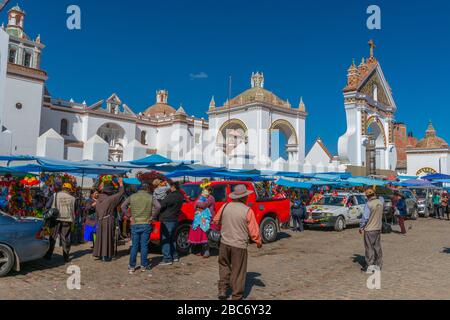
317,155
5,139
4,42
24,123
258,121
417,161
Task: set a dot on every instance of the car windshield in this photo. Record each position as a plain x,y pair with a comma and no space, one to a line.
420,193
338,201
192,190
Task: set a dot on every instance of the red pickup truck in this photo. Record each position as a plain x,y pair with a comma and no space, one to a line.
269,213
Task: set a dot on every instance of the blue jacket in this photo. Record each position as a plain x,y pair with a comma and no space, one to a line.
401,206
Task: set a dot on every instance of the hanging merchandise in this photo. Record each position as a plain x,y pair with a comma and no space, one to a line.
30,181
149,177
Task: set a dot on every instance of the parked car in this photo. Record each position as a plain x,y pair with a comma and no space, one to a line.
336,211
386,194
424,196
269,213
21,240
412,206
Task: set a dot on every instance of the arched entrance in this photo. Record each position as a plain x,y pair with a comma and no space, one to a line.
232,138
283,141
376,145
114,135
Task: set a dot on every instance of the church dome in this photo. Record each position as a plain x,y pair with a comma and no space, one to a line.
431,140
257,93
161,108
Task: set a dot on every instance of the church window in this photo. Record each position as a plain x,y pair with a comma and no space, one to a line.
144,137
64,130
27,59
12,55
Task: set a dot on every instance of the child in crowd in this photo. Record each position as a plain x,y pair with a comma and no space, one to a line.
198,235
161,189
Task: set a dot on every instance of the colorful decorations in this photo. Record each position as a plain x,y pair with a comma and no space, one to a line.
21,196
30,181
6,181
20,201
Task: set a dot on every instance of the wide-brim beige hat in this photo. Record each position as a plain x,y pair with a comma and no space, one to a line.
240,191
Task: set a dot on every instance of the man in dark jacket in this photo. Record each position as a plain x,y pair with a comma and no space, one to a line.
168,216
403,212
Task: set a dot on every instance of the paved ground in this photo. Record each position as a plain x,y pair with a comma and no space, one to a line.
310,265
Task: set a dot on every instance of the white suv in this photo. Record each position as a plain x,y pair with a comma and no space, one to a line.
336,211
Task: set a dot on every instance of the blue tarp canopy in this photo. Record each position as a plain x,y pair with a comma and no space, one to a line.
7,170
437,176
186,168
366,181
82,170
239,176
17,158
407,178
414,183
294,184
330,176
211,172
441,181
152,160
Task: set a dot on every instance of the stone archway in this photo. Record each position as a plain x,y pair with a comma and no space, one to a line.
232,136
376,144
114,135
287,131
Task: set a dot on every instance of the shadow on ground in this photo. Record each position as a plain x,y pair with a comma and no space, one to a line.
251,281
359,259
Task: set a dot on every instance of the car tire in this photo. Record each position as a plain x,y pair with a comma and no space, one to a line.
269,230
6,260
339,225
182,239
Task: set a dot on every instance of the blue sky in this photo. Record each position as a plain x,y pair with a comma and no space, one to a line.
304,49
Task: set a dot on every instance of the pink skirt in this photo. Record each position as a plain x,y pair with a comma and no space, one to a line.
197,236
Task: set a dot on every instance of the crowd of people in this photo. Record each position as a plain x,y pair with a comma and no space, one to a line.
110,205
114,210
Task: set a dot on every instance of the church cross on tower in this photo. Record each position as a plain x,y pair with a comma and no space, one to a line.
372,47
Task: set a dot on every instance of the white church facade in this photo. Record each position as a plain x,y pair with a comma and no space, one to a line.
368,148
430,155
254,130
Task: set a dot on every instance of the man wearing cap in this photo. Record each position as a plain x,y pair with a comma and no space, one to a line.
65,203
238,225
140,207
371,226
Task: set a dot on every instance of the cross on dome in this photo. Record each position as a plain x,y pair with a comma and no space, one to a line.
257,80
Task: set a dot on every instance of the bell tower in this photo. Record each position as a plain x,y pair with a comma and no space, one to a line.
16,19
368,146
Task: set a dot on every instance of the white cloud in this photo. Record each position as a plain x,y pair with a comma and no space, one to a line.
200,75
